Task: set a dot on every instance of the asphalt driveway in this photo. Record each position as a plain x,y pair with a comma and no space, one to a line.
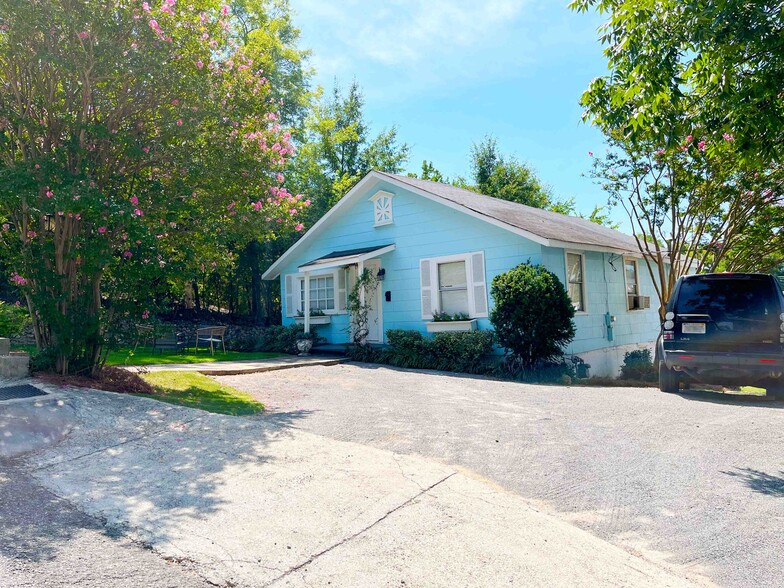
693,480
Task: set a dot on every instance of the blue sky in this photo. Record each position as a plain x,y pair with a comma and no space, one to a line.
447,72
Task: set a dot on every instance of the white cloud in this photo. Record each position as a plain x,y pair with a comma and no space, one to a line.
401,49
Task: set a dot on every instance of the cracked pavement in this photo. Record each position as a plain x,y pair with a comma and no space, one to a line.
256,502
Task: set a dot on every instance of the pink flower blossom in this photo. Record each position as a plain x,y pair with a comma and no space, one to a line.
84,35
200,64
134,200
146,314
127,254
6,226
299,227
728,137
101,230
146,149
156,27
18,280
689,139
49,193
590,153
701,145
224,10
138,212
179,122
145,7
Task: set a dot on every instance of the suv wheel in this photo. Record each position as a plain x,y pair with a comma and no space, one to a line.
775,391
668,379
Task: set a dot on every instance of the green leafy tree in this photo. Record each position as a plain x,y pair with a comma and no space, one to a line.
338,151
715,65
692,209
429,172
506,178
692,109
532,315
132,139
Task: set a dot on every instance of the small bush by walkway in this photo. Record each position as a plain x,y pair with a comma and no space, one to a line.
195,390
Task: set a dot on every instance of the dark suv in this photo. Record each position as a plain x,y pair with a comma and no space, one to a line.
724,329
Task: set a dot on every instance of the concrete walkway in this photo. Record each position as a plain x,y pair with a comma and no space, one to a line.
256,502
245,366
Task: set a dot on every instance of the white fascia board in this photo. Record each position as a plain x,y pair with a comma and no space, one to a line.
275,269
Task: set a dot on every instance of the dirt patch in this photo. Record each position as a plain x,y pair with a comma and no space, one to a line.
110,379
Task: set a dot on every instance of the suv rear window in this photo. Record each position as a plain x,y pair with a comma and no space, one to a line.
726,297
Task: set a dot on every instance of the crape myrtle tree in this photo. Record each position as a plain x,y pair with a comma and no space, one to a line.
135,140
692,111
692,208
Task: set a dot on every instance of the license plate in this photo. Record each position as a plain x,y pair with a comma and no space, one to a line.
693,328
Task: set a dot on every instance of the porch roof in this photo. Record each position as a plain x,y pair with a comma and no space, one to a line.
346,257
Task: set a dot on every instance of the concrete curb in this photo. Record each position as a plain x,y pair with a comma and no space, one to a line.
234,368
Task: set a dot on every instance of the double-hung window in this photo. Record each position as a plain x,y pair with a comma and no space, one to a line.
575,277
453,287
322,293
632,282
453,284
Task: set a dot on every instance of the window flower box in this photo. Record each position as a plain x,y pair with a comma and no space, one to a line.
315,320
451,326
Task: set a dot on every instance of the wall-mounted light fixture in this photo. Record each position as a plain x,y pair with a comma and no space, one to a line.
380,275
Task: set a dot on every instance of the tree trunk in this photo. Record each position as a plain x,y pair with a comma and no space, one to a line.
254,255
196,298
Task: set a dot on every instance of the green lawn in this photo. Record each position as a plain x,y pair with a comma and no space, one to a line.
146,357
196,390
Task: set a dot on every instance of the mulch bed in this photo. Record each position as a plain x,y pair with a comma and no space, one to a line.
111,379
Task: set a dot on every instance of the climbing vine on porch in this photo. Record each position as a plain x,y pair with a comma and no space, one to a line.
359,308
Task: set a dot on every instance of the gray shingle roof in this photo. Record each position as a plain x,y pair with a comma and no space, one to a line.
543,223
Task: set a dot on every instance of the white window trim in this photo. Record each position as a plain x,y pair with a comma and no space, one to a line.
626,283
434,293
374,199
567,252
297,294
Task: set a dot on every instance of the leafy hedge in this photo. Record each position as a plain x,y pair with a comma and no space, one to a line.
455,352
282,339
13,319
638,365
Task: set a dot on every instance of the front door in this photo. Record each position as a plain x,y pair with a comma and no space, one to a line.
373,299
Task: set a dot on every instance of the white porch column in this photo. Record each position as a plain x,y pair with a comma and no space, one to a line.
360,271
306,304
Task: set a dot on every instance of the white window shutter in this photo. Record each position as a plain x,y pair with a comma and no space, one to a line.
342,300
426,288
289,294
478,284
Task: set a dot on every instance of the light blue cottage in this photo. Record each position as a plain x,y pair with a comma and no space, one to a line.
438,247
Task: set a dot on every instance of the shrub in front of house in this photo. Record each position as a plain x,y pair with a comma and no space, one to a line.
532,315
280,339
13,319
464,352
638,365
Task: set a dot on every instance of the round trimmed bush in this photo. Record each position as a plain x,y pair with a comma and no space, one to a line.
532,315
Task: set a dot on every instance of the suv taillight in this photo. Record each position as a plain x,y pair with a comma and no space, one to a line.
668,335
